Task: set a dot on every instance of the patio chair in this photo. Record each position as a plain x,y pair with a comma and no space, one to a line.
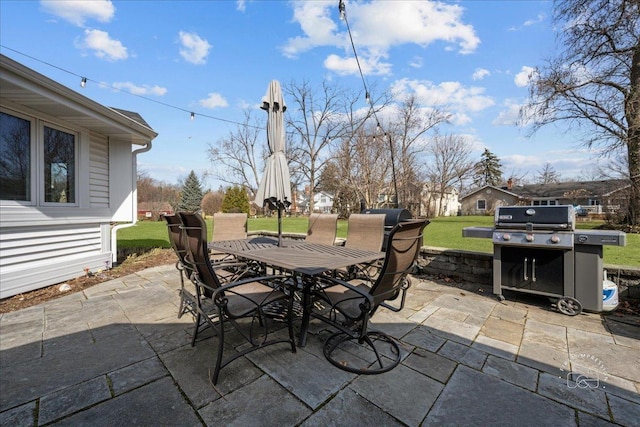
227,270
349,306
176,238
228,226
240,303
366,232
322,229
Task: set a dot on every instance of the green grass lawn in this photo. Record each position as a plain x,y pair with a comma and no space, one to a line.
444,232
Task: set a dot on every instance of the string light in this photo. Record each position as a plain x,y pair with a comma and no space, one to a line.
343,12
367,97
193,116
83,82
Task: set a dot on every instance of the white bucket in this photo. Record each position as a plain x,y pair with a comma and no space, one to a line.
609,294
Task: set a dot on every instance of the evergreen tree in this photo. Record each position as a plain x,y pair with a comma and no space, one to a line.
191,194
488,171
235,201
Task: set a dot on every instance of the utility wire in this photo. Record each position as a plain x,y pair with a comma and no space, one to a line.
343,16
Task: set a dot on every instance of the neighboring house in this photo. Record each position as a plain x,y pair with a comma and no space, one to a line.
67,176
322,202
154,210
436,204
596,197
485,200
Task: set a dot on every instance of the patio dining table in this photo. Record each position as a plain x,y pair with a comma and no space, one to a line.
305,261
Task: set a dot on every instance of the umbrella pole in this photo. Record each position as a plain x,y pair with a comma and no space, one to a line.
279,227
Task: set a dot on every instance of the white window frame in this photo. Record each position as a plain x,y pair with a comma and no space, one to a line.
36,162
478,204
33,161
76,144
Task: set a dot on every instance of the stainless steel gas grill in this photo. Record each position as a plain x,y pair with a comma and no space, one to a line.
537,250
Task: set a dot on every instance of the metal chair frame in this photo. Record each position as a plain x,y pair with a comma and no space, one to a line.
232,302
349,306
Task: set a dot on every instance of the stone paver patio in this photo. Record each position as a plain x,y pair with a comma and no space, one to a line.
116,354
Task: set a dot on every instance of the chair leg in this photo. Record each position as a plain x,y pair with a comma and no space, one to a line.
216,371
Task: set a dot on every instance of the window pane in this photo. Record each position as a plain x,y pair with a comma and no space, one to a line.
15,158
59,166
481,204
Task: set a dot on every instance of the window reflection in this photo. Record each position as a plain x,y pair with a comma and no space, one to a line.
15,158
59,166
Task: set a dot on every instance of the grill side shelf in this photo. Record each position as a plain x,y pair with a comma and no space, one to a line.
478,232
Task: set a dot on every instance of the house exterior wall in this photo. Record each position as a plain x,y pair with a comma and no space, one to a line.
44,238
43,245
492,197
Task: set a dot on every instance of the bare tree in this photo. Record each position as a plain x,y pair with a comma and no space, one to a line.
157,195
407,132
449,165
593,84
319,119
362,166
547,175
238,158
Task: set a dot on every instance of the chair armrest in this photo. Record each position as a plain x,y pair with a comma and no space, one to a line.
248,280
335,282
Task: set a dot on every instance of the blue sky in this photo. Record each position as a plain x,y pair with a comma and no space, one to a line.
216,58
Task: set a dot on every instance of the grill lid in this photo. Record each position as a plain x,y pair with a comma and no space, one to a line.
561,217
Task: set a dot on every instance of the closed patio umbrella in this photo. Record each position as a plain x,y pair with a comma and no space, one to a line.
275,186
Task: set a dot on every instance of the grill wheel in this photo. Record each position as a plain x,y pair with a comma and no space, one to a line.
569,306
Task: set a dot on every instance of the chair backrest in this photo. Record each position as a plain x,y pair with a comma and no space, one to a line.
229,226
176,235
403,247
195,229
322,229
365,231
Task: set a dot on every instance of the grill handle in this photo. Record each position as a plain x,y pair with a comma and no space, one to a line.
533,270
526,277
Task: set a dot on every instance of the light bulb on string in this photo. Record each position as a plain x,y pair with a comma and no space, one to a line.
193,116
83,82
343,12
378,127
367,97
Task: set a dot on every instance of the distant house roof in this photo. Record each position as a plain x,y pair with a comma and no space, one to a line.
559,190
502,190
563,189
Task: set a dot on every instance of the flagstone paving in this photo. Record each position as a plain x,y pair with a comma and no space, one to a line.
117,354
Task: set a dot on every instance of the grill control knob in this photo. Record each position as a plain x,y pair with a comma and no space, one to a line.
555,238
529,238
506,236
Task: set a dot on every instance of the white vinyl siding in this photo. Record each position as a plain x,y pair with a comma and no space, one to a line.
33,257
99,172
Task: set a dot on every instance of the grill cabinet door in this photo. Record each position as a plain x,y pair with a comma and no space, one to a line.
533,269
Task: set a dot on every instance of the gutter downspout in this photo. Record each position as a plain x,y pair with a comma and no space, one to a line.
114,230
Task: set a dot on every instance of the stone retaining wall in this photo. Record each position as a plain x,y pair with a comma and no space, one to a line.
478,267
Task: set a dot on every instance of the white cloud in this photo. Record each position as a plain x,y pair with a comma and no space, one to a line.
344,66
538,19
213,100
480,73
194,48
140,90
377,27
449,95
241,5
102,45
77,12
524,76
509,115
